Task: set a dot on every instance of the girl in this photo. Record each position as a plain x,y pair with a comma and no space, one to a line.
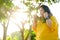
46,28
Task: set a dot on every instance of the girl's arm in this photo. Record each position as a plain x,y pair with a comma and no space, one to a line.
48,20
34,23
49,23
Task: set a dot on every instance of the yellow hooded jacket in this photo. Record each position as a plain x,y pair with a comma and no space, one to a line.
44,33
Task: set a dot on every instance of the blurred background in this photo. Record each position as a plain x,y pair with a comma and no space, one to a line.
16,17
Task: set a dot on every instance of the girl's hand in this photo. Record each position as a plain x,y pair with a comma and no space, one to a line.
48,21
45,15
35,16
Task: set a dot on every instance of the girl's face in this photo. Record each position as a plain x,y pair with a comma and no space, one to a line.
42,11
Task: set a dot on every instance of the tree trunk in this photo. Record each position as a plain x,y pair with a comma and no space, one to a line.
22,35
22,31
4,33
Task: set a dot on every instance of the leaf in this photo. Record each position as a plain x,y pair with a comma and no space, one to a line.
31,8
54,1
49,1
37,1
33,35
29,0
42,0
25,33
27,3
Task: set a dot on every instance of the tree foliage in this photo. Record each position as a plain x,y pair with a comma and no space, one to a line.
31,6
5,5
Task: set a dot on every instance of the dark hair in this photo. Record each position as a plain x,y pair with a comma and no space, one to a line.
46,9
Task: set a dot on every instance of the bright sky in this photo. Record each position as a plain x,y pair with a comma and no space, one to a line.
21,16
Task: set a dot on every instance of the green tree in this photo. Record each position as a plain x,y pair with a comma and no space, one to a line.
21,30
5,7
16,35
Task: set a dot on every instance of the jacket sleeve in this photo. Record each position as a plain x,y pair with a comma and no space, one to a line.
54,23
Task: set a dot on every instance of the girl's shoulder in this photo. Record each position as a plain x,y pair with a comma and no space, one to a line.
53,18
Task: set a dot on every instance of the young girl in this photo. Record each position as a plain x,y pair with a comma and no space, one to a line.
46,28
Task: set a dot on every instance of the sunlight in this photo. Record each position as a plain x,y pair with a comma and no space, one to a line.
12,28
20,16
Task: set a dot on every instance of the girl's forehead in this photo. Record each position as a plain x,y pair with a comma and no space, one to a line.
40,7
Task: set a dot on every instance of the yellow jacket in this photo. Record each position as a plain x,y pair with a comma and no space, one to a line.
44,33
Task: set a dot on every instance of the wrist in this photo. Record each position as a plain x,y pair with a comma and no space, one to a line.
47,18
